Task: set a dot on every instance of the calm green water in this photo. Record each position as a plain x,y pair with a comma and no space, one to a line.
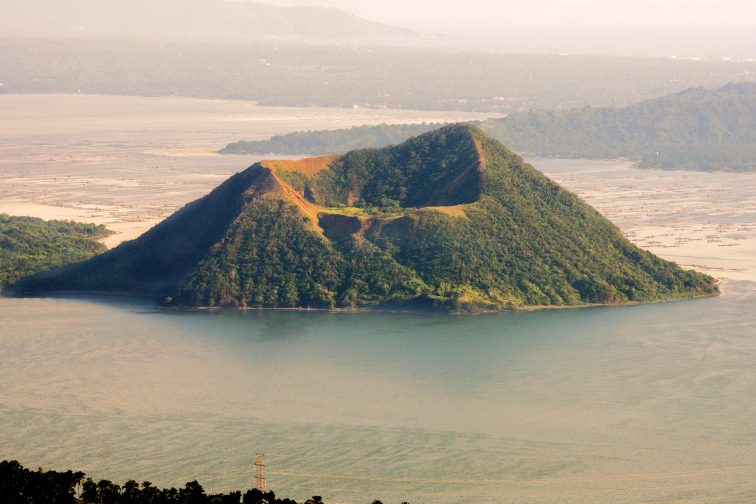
646,403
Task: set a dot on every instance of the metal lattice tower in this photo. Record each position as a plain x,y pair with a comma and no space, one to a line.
260,471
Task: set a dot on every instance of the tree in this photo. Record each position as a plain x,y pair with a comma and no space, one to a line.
193,493
90,492
108,492
130,491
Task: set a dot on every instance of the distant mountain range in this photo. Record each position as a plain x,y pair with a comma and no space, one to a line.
195,20
450,219
696,129
277,73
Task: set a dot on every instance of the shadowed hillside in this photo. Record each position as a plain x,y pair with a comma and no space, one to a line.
449,219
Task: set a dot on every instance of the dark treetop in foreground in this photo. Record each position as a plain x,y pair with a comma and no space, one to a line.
450,219
696,129
19,485
29,245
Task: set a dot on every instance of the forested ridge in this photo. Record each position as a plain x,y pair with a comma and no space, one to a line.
29,245
695,129
450,219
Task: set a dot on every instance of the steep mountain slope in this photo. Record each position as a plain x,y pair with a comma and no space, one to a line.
696,129
196,20
450,219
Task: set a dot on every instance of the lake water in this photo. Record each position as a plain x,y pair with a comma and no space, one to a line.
653,403
649,403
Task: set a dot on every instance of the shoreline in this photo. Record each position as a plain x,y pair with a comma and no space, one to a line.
102,296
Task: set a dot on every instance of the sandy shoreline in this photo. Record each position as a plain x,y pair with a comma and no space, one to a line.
154,298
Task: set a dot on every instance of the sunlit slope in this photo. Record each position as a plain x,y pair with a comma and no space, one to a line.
449,219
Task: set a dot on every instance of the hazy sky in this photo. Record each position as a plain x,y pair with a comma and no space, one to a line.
709,28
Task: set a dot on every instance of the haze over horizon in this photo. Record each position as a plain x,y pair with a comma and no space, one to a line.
684,28
661,28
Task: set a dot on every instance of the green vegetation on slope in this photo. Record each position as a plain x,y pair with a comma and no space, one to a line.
267,258
463,224
529,242
695,129
270,257
29,245
438,168
158,260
